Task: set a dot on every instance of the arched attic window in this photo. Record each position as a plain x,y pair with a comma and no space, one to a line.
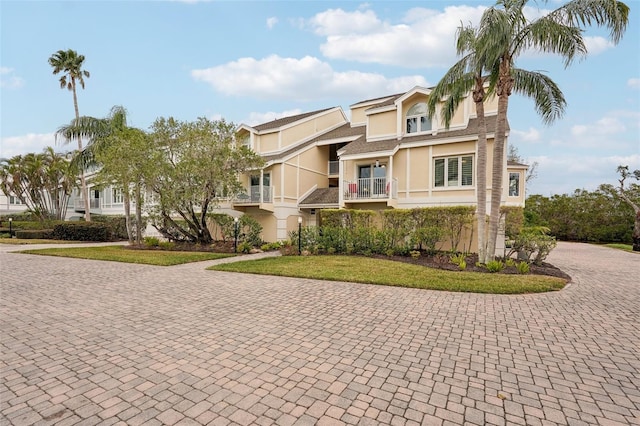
417,120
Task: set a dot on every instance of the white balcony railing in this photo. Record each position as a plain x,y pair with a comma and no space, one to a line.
257,194
370,188
78,204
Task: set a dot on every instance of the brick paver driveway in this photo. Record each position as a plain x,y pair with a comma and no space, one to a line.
88,342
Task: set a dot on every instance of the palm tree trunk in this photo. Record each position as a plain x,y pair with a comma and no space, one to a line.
505,85
83,182
481,175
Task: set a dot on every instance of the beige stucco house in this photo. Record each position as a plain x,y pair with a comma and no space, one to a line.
388,155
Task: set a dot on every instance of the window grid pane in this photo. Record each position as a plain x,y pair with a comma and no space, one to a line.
439,172
467,171
452,171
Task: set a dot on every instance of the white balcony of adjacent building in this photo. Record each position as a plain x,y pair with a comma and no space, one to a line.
370,189
260,196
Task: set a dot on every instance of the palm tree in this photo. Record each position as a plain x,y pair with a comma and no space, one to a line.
102,134
505,33
42,181
69,63
467,75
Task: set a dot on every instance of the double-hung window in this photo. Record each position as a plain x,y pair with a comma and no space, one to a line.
417,120
514,184
453,171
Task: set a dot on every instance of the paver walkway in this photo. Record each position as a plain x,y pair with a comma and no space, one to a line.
88,342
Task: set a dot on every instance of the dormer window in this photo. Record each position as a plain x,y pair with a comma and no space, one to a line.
417,120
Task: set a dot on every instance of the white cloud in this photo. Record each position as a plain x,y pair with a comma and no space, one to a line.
256,118
338,22
565,173
634,83
8,80
608,125
271,22
530,135
597,45
425,37
32,142
302,79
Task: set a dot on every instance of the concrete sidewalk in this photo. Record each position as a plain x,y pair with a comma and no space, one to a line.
87,342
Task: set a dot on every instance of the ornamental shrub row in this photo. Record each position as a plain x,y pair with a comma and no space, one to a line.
82,231
393,231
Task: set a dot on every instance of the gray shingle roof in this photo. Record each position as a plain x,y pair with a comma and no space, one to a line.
322,196
287,120
340,132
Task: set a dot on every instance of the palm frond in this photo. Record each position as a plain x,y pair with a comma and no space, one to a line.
611,14
548,99
547,35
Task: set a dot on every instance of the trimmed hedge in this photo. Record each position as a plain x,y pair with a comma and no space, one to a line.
34,234
82,231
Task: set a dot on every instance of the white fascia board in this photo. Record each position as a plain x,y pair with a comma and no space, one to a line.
304,120
367,155
245,127
416,89
443,141
386,137
376,110
370,103
338,140
301,141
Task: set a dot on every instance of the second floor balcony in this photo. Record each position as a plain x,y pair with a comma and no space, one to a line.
371,189
257,194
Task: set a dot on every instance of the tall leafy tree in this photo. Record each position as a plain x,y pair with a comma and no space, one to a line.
43,182
629,194
505,33
200,163
69,64
465,76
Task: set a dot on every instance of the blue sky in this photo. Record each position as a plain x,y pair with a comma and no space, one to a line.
250,62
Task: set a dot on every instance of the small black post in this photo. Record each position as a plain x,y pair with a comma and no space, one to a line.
10,227
299,236
235,234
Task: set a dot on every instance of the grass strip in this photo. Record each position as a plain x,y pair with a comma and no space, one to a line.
27,241
123,254
619,246
386,272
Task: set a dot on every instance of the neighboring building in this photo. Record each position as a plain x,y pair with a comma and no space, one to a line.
390,155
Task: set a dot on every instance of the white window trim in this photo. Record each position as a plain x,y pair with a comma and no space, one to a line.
446,185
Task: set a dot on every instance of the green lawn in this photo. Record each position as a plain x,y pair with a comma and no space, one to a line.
387,272
123,254
619,246
20,241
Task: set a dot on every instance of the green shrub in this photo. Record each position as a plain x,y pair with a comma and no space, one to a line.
415,254
151,242
250,231
456,259
462,265
34,234
509,263
82,231
245,247
117,225
523,267
513,220
495,266
533,244
167,245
